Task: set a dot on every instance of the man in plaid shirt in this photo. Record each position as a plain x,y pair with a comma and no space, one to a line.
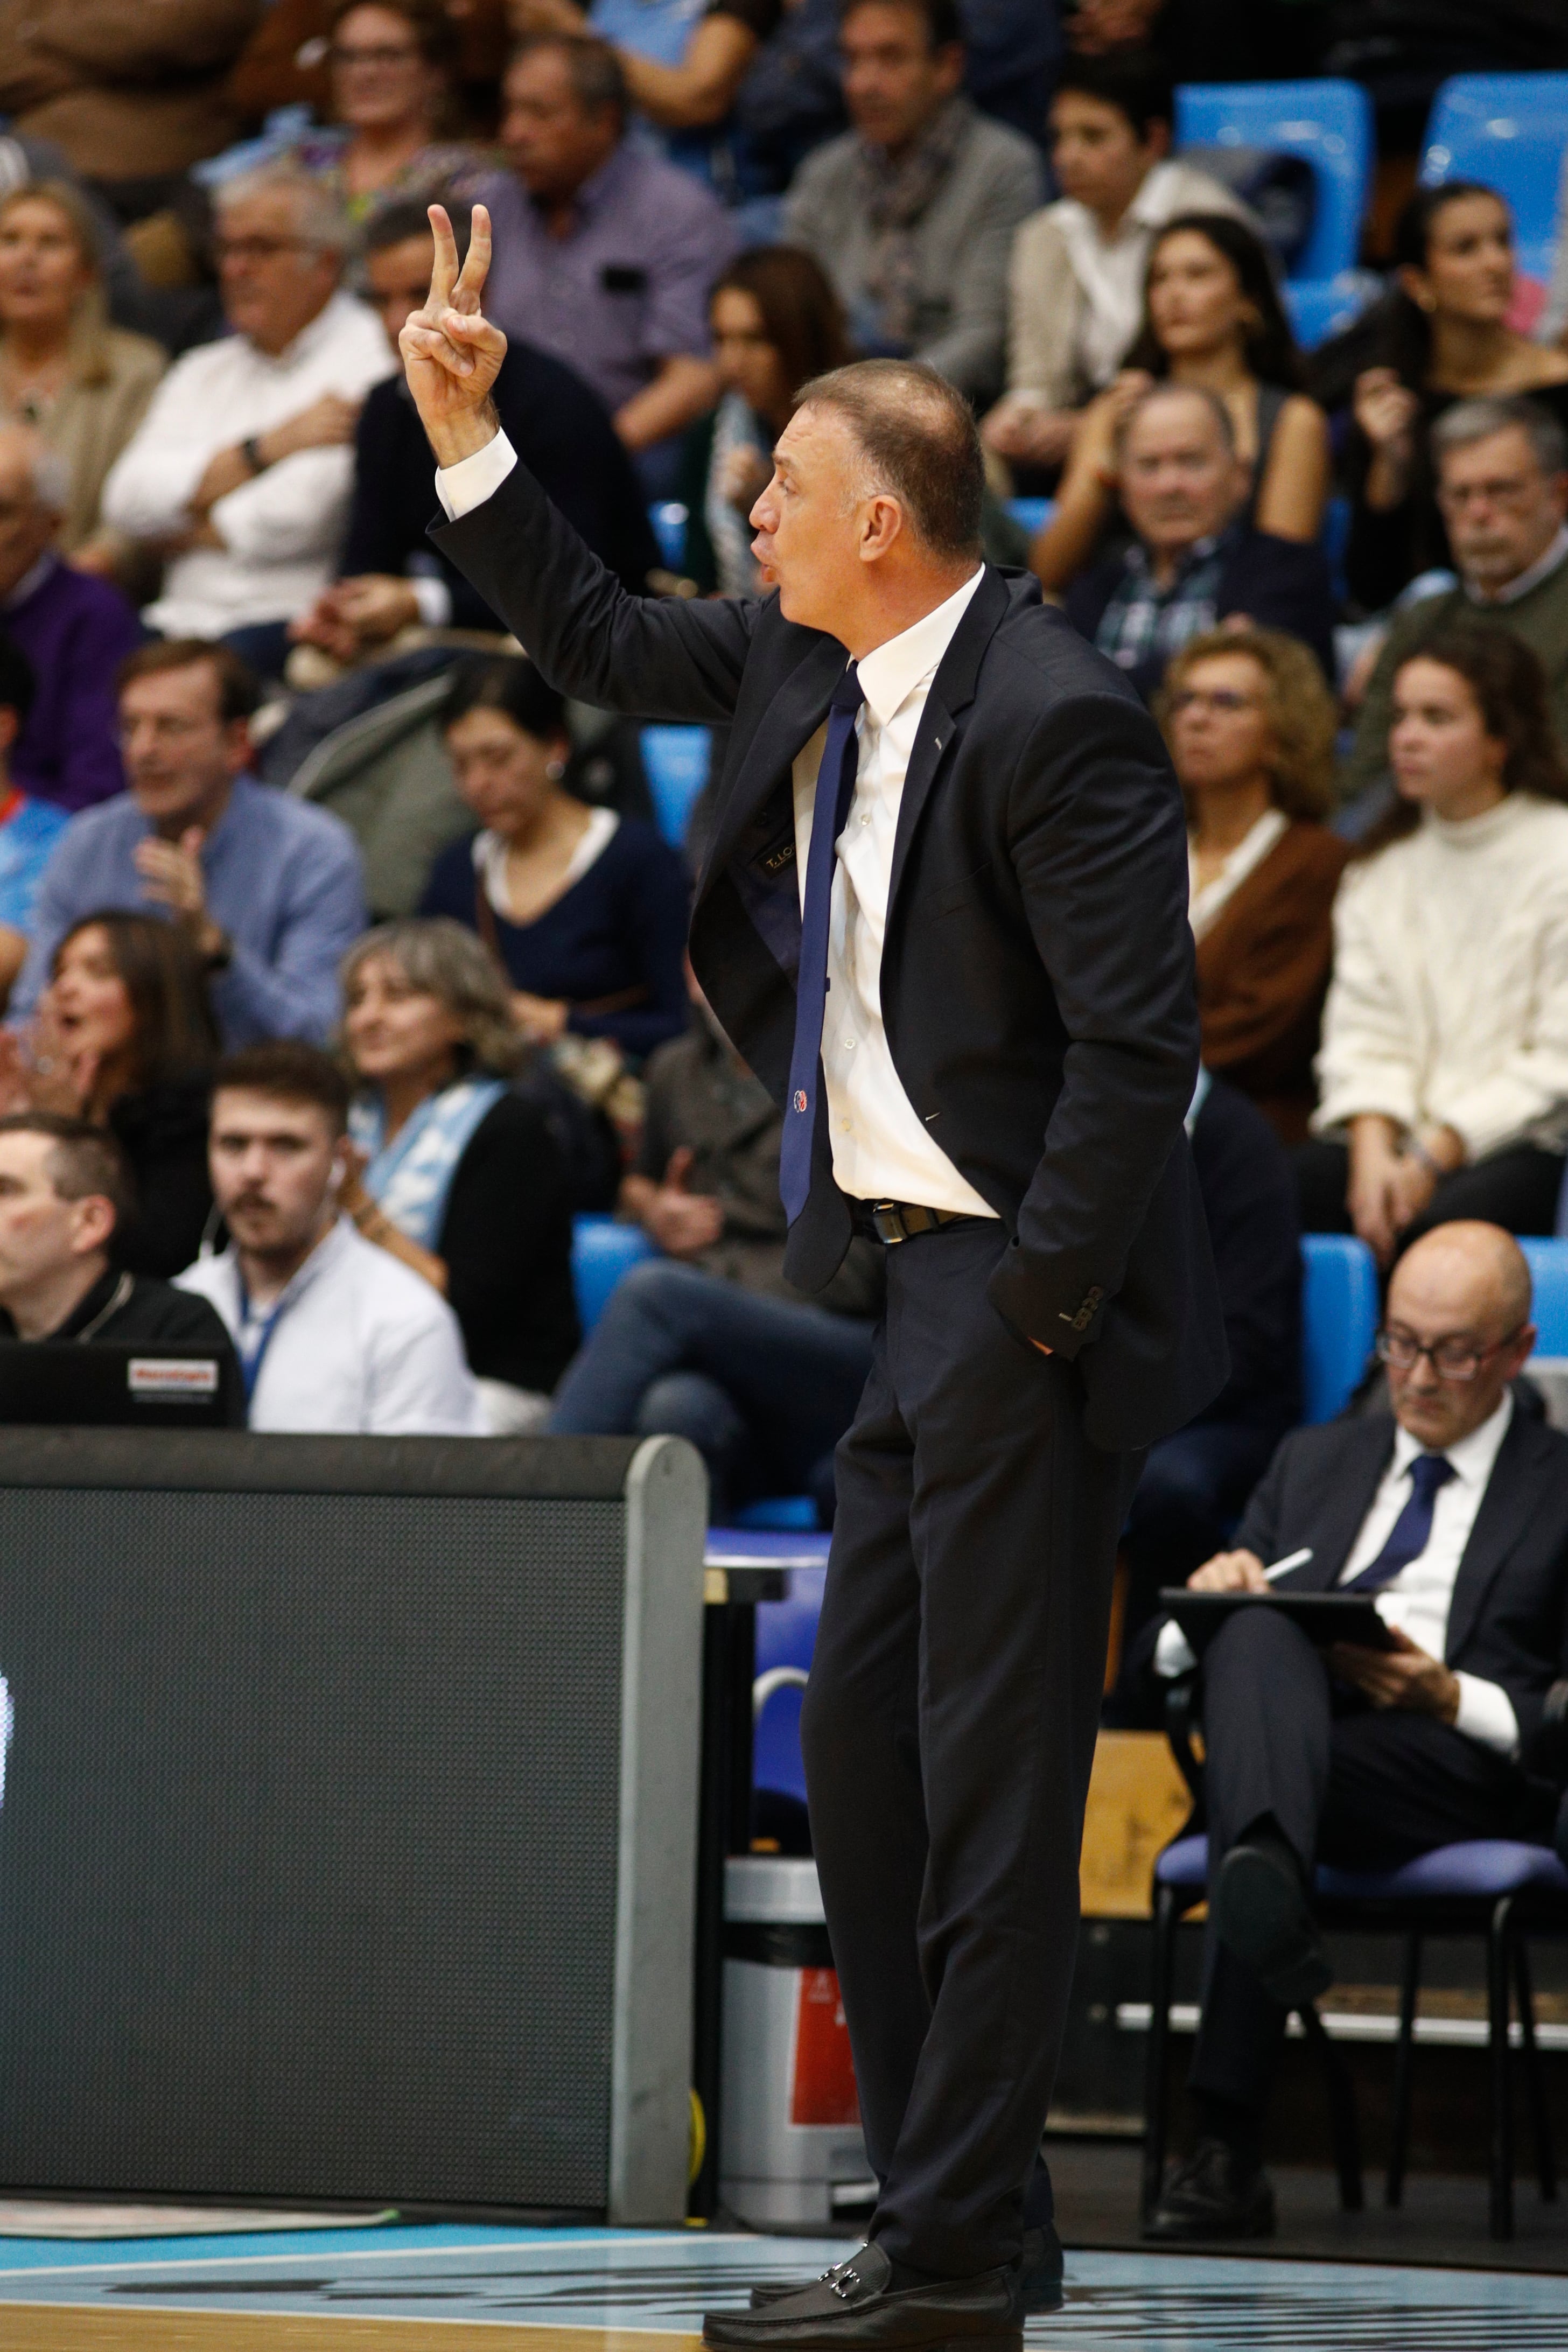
1195,559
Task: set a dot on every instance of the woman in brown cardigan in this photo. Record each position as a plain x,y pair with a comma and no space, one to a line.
1250,725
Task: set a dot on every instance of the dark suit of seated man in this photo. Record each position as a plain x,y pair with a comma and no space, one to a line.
1194,560
1457,1513
64,1188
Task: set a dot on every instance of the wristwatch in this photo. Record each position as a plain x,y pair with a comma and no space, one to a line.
250,450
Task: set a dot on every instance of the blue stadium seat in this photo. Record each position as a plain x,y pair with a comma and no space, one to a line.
603,1249
1319,307
1031,514
787,1635
1510,131
784,1514
1338,1318
1549,1275
1328,121
670,519
676,761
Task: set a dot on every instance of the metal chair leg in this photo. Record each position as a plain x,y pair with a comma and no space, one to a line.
1156,2120
1499,1954
1343,2122
1535,2081
1404,2068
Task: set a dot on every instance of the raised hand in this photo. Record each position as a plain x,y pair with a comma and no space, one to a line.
451,353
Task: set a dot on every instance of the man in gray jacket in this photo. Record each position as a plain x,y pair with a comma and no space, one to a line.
912,212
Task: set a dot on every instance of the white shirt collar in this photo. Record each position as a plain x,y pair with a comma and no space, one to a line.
1542,569
1473,1456
334,1243
890,674
1151,207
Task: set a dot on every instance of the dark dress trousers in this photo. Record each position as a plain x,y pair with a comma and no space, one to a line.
1348,1784
1037,987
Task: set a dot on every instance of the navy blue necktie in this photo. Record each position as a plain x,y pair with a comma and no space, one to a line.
834,791
1412,1530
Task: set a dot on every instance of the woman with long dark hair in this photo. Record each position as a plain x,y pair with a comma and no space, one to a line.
586,909
1212,318
776,323
1442,336
1443,1075
125,1036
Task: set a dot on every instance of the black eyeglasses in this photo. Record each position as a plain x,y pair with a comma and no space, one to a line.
1454,1358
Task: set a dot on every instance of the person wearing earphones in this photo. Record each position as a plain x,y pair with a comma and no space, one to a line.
333,1334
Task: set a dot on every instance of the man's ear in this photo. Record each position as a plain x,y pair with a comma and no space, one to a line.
237,746
92,1223
882,523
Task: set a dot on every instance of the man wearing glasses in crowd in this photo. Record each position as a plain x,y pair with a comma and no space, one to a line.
240,472
1455,1514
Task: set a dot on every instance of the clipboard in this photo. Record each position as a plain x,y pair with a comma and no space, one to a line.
1325,1618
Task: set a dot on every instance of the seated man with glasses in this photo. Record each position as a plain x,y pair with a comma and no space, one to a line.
1455,1514
240,473
1195,561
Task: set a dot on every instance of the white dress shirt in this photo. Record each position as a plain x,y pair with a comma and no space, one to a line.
356,1344
1417,1600
281,530
880,1149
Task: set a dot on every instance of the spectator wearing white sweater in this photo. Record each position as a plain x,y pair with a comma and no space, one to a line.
1443,1075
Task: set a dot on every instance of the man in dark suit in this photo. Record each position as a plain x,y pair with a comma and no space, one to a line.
556,423
1195,560
994,922
1456,1513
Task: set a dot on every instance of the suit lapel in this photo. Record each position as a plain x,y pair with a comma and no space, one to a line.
1504,1516
786,726
1350,1498
952,692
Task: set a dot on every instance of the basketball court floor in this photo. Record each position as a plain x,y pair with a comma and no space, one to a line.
441,2289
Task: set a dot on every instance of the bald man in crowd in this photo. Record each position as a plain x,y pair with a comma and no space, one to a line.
1455,1514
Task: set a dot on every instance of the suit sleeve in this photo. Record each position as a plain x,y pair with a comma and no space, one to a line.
1098,846
654,657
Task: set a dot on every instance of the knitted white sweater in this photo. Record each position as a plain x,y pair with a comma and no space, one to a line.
1450,999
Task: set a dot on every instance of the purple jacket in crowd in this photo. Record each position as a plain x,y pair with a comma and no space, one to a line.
75,632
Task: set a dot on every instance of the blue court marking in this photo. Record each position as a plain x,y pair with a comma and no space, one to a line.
660,2283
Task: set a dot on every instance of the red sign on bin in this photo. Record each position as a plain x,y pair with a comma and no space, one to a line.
824,2091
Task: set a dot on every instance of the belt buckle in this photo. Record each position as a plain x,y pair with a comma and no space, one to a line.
887,1217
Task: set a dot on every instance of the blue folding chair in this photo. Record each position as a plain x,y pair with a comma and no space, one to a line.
1507,131
1339,1320
1549,1281
1329,123
786,1637
676,761
1494,1887
603,1250
668,519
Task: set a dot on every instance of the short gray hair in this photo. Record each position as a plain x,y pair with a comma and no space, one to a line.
1476,420
319,219
1224,421
443,959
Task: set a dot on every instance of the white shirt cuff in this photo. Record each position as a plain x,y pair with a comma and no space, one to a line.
468,484
433,597
1485,1714
1174,1653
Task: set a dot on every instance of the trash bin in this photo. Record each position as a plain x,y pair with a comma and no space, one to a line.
790,2144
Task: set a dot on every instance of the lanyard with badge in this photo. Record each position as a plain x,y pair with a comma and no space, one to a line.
252,1339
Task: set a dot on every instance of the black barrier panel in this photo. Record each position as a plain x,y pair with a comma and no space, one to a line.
308,1835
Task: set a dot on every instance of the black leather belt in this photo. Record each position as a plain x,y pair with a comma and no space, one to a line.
900,1221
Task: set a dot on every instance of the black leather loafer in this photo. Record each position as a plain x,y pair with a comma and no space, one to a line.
1039,2277
857,2304
1262,1915
1216,2194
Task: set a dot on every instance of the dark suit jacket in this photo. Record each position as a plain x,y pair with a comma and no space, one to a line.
1509,1618
1249,1190
560,430
1036,975
1277,583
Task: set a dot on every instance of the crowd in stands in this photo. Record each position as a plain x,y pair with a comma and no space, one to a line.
278,787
